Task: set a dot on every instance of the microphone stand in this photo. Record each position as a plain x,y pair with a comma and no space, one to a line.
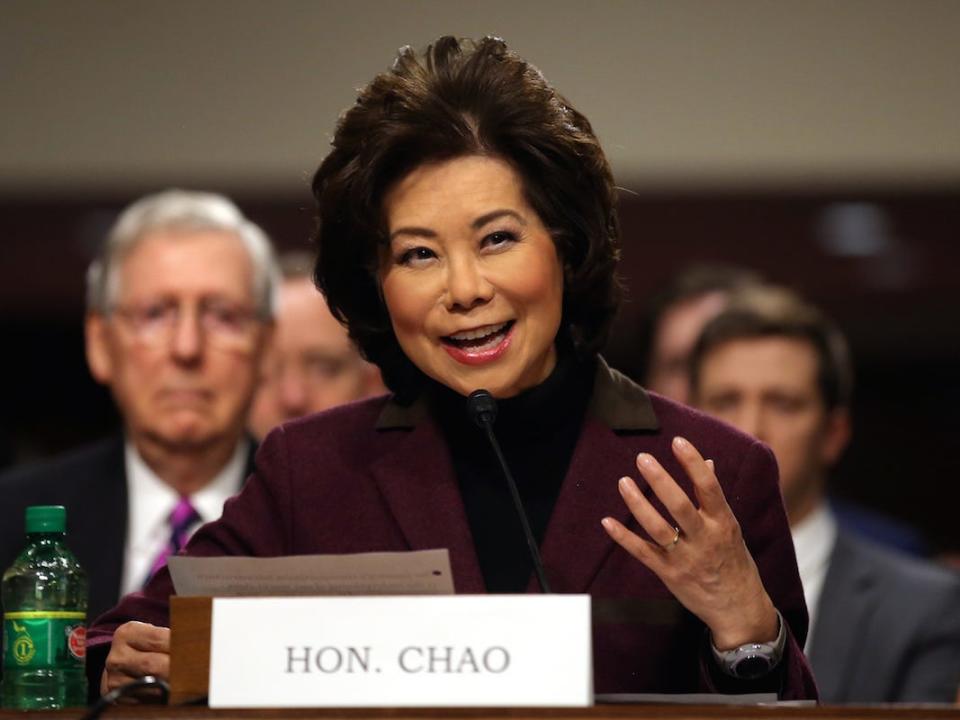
482,407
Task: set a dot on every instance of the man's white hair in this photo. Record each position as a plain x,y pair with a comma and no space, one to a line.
181,210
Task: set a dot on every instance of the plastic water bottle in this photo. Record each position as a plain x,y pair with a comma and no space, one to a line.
44,597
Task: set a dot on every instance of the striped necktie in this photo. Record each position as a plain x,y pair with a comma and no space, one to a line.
183,516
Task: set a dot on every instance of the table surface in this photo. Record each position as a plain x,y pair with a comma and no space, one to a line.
597,712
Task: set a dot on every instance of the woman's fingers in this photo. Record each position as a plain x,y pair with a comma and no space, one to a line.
645,552
703,477
685,513
709,569
674,499
650,519
137,649
126,667
147,638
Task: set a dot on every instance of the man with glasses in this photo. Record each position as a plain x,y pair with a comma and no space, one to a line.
180,308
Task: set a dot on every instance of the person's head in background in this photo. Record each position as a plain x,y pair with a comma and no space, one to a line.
775,367
678,314
180,308
312,363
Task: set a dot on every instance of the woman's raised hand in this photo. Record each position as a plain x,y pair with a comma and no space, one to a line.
702,559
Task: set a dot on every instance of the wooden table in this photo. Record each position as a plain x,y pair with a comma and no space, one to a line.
598,712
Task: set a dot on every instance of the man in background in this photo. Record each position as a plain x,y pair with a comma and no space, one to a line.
312,364
884,627
676,317
678,314
180,310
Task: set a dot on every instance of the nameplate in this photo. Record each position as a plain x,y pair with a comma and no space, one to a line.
468,650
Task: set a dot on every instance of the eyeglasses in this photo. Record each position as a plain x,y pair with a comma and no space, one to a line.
223,323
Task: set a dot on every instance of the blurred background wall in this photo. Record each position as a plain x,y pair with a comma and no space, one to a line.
818,142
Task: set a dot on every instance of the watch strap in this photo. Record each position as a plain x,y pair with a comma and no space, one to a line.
752,660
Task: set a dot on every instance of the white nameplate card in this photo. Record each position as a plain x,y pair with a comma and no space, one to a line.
459,651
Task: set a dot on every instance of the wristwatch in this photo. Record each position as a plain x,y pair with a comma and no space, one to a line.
753,660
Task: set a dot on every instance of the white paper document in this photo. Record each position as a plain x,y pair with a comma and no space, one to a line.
424,572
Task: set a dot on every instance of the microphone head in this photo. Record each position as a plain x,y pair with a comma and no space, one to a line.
482,407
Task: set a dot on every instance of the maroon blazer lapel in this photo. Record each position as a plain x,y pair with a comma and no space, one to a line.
576,545
415,476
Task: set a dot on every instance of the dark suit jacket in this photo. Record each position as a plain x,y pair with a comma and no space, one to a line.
375,476
92,484
880,529
887,627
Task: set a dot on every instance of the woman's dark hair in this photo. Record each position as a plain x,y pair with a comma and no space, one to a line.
460,98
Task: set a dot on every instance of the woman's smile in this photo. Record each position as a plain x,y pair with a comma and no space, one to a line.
471,277
475,347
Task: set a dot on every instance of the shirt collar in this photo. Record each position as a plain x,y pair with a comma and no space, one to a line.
151,499
617,401
813,539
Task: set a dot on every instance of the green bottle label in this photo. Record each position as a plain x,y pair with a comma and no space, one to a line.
55,639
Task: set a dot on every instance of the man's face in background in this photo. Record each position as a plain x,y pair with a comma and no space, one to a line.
312,364
767,387
182,345
675,334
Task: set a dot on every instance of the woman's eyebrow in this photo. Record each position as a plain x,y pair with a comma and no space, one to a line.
415,231
494,214
476,224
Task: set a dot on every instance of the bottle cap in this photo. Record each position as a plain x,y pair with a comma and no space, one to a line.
46,518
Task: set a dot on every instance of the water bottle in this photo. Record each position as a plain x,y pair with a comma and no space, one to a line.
44,597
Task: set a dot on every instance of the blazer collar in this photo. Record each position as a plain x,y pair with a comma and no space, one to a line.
415,475
575,545
617,402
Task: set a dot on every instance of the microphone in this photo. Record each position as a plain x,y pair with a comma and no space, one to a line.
482,409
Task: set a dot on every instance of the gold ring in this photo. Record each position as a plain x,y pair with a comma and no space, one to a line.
676,538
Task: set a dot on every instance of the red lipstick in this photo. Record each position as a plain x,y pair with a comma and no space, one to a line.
486,352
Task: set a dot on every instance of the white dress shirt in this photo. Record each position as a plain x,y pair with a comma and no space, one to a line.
150,502
813,539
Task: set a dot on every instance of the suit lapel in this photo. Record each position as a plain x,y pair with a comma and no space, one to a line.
100,525
845,605
415,476
575,544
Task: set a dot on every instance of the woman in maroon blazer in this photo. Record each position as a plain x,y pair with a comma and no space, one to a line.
467,237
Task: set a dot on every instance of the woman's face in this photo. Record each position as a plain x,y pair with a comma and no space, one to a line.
471,277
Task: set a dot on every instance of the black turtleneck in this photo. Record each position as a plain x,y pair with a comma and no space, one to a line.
537,431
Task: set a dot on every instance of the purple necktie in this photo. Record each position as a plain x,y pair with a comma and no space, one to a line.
181,519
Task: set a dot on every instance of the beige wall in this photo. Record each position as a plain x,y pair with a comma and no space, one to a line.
243,95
